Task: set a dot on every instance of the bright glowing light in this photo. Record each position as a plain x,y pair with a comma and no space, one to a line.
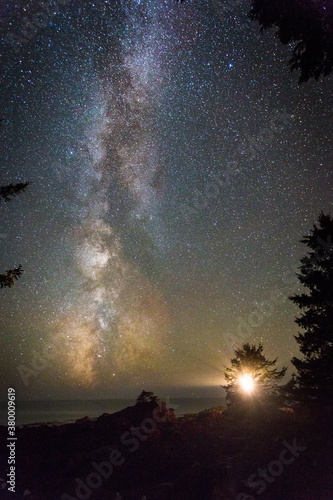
246,382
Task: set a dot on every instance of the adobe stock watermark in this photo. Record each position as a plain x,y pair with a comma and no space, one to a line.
39,361
264,309
247,150
263,477
245,327
34,19
103,470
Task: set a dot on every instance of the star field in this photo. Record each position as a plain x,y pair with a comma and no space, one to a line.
175,165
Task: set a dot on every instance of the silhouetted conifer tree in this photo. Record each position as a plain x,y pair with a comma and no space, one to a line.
315,370
146,397
250,362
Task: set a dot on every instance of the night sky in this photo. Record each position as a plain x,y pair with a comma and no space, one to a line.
175,165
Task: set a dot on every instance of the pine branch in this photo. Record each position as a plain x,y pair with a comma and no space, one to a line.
8,279
7,192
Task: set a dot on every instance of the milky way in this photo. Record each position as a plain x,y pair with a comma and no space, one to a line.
175,166
121,312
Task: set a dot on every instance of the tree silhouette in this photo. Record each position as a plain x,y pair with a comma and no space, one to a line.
251,364
315,370
146,397
8,279
308,24
6,194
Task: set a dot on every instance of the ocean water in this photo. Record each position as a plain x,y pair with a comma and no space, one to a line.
56,412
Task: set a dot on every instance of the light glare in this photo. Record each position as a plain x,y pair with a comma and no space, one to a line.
246,382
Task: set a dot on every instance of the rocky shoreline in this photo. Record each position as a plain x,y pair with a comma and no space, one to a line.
145,453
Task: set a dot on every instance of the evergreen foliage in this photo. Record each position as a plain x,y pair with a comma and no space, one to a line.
315,369
250,361
308,25
146,397
8,192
